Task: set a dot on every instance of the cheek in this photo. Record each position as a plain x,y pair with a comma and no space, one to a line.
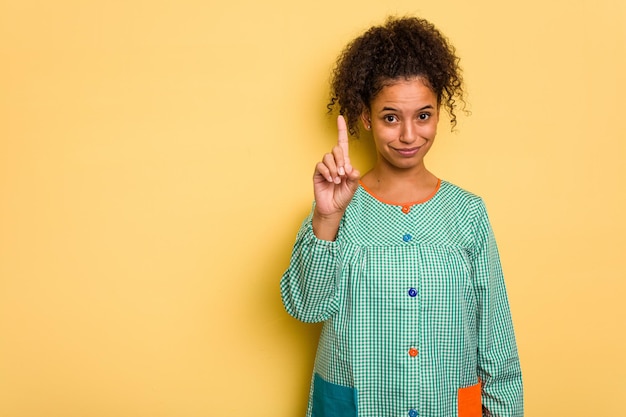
382,135
433,127
429,132
434,132
432,123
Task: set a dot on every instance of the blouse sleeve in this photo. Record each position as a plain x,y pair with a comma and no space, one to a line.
498,360
309,287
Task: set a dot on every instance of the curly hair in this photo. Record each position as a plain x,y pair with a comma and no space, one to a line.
401,48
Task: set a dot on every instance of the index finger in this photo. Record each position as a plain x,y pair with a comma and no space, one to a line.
342,141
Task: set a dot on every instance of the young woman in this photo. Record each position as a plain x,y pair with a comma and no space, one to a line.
401,266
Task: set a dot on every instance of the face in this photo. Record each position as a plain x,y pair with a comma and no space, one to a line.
403,118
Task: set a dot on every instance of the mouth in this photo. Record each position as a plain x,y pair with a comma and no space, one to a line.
407,152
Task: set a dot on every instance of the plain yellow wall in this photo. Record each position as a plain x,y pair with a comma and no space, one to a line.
155,164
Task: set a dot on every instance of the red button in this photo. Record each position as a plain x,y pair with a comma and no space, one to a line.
406,209
412,352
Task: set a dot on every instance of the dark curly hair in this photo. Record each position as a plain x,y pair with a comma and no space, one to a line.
401,48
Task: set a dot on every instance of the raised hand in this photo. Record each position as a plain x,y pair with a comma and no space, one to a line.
334,184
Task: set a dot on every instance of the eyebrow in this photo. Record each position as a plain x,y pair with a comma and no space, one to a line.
428,106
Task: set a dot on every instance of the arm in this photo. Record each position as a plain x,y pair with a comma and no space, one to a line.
309,286
498,360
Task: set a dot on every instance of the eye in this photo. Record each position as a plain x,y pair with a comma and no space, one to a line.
390,118
424,116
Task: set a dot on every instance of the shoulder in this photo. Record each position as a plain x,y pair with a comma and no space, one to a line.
466,208
454,191
460,198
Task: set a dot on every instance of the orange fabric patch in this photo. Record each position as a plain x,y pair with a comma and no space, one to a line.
470,402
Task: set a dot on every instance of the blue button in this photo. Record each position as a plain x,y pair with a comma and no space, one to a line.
407,237
412,292
412,413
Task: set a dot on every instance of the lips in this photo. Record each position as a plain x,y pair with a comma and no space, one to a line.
407,152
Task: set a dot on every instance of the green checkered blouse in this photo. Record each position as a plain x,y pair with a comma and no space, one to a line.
415,311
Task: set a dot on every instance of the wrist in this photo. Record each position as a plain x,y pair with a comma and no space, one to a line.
326,226
327,217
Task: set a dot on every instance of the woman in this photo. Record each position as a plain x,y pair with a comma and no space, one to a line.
401,266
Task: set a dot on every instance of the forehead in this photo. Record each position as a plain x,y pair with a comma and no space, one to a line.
405,92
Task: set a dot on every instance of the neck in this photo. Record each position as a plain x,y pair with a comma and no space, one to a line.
391,176
399,185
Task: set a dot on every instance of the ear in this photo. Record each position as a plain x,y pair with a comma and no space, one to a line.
366,119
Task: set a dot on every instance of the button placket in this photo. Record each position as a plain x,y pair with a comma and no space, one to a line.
412,292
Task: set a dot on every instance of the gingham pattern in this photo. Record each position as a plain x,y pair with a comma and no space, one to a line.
459,321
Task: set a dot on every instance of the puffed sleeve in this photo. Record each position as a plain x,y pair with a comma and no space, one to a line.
309,286
498,360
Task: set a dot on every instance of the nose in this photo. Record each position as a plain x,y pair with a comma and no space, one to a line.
408,133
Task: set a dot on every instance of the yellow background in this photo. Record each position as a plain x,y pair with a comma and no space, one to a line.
155,164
